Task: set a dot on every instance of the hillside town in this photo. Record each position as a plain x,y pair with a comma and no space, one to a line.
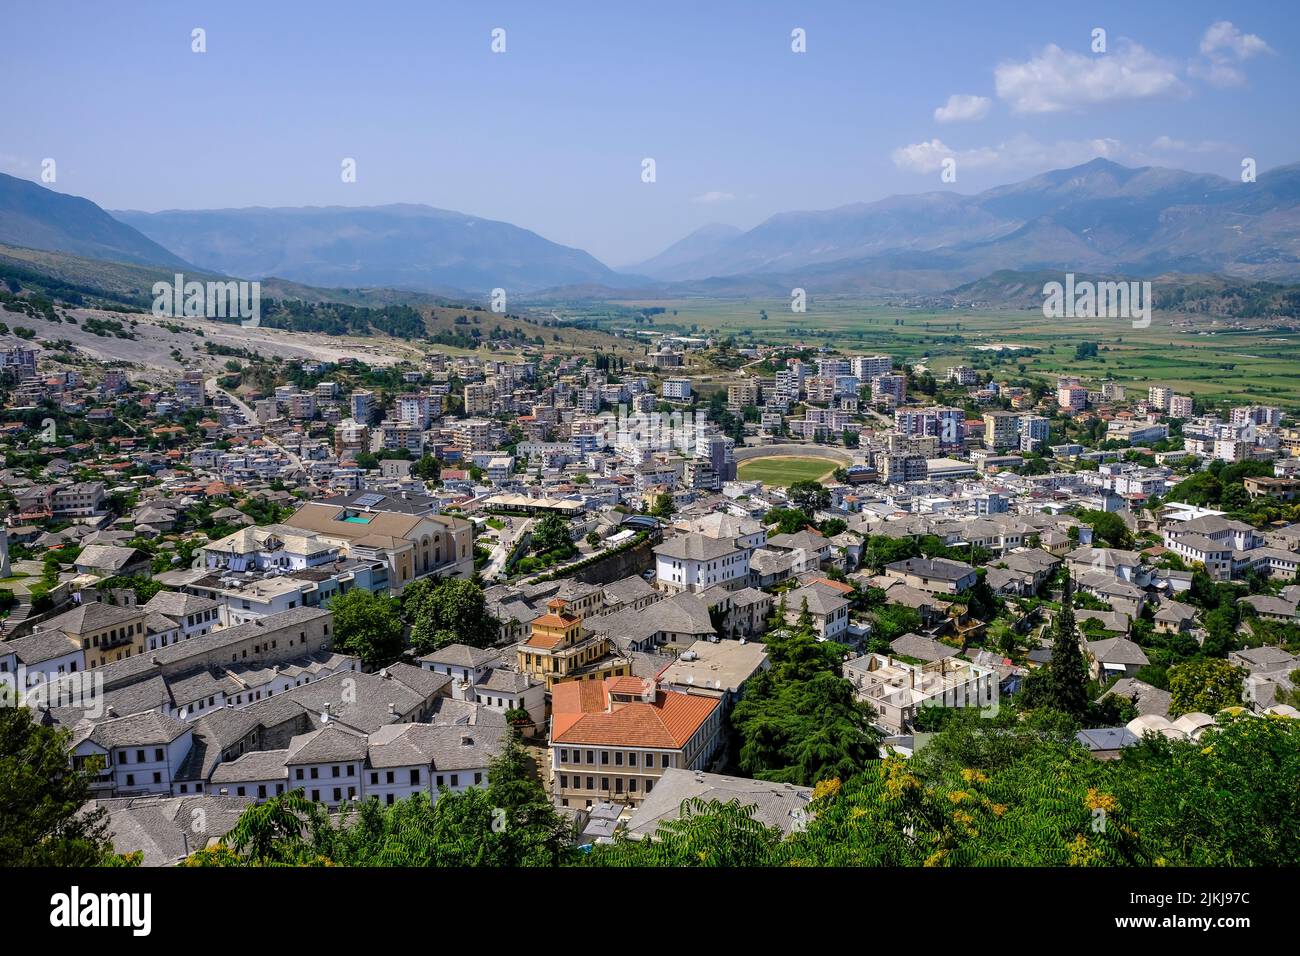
365,582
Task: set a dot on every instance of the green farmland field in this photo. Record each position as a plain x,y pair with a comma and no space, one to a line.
1217,360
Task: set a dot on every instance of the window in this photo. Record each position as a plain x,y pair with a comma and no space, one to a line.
665,761
591,757
604,757
440,780
374,779
315,795
478,778
139,756
591,783
334,770
604,783
158,755
564,756
157,777
455,780
298,773
564,782
130,780
351,769
415,777
631,759
338,794
239,791
631,785
315,772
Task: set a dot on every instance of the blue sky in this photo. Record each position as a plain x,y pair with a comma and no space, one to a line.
551,134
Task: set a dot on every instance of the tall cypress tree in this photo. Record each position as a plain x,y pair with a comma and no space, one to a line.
1067,677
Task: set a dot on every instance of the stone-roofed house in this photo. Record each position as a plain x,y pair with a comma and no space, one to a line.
938,575
1115,656
780,805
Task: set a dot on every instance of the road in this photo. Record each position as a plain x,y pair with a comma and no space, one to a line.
250,417
515,528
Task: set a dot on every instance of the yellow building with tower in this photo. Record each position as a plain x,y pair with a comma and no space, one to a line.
557,650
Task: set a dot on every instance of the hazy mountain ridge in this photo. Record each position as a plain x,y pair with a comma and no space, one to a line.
35,217
1099,216
400,246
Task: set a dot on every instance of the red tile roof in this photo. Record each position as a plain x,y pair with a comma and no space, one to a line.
579,715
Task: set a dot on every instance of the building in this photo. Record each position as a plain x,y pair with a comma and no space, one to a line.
1001,430
677,389
105,632
1072,397
783,806
933,574
897,690
404,533
613,739
688,562
558,649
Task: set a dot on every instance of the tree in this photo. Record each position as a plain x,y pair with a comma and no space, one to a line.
712,833
1109,527
427,468
808,496
1064,684
449,611
41,798
663,506
551,534
788,520
368,625
1206,686
273,832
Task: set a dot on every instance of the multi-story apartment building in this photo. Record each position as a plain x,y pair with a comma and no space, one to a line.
1181,406
1001,430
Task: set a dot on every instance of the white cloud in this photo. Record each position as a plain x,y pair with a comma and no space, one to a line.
1058,79
1223,38
1223,49
714,196
1018,153
963,106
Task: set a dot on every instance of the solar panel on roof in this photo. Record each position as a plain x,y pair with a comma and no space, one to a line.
369,500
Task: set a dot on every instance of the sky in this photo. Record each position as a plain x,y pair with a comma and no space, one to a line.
552,134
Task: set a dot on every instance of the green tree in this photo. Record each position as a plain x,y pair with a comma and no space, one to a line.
1063,686
1206,686
449,611
368,625
809,496
41,798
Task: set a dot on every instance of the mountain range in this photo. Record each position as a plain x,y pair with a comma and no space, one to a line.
1099,217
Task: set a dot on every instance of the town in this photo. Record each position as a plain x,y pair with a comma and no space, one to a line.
612,576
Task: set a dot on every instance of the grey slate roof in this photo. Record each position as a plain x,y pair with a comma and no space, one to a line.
774,804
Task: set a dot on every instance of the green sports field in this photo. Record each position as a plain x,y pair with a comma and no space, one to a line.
784,471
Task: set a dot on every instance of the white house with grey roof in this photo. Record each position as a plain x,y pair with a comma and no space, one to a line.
693,562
